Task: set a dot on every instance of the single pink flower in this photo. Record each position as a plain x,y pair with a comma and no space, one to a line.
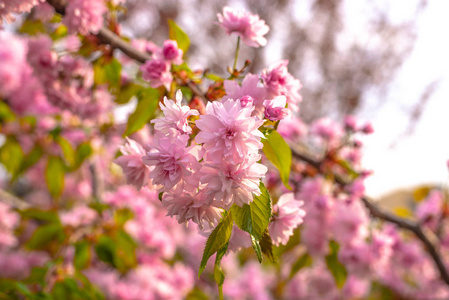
275,109
136,172
171,52
287,215
249,27
157,72
228,131
279,81
175,116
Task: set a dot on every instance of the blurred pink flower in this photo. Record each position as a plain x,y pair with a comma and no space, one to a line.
275,109
249,27
136,172
157,72
171,52
287,215
84,16
78,216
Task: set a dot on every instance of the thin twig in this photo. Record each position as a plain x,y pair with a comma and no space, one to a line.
12,200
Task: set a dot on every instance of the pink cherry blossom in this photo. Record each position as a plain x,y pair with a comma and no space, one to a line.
171,52
157,72
84,16
279,81
350,222
233,183
430,210
8,221
229,131
275,109
249,27
287,215
171,159
78,216
136,172
175,116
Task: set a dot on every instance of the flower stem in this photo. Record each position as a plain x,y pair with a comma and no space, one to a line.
236,53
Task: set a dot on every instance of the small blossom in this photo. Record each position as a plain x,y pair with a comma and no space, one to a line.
279,81
275,109
136,172
246,101
249,27
171,52
430,210
175,116
157,72
287,215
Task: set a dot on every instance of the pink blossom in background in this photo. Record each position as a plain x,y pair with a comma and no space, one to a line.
279,81
287,215
429,211
239,239
228,131
13,57
250,28
8,221
292,128
329,132
275,109
171,52
175,116
350,222
10,7
78,216
157,72
136,172
84,16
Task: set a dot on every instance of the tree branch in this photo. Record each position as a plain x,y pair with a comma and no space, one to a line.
376,212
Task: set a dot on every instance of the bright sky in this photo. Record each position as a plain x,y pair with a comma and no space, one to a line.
421,157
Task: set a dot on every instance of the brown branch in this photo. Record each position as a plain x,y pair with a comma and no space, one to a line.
376,212
12,200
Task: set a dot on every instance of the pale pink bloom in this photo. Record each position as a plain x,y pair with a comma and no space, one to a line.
429,211
187,206
18,264
13,60
357,259
279,81
356,288
171,52
292,128
171,159
175,116
233,183
136,172
252,87
43,12
228,131
84,16
249,27
157,72
78,216
350,222
275,109
351,123
10,7
239,239
328,131
8,221
287,215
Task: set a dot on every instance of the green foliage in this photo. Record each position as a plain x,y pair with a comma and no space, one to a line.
107,72
83,151
54,175
122,215
82,256
254,219
266,245
118,250
11,156
279,153
336,268
72,288
177,34
46,235
217,239
148,101
32,27
218,272
303,261
127,91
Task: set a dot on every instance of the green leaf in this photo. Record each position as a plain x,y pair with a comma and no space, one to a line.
44,235
148,102
11,155
40,215
177,34
279,153
337,269
127,92
31,158
32,27
54,175
83,151
266,245
107,72
119,250
256,247
5,112
303,261
67,150
82,255
122,215
255,217
217,239
218,272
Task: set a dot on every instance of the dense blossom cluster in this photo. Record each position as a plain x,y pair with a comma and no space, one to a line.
84,204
